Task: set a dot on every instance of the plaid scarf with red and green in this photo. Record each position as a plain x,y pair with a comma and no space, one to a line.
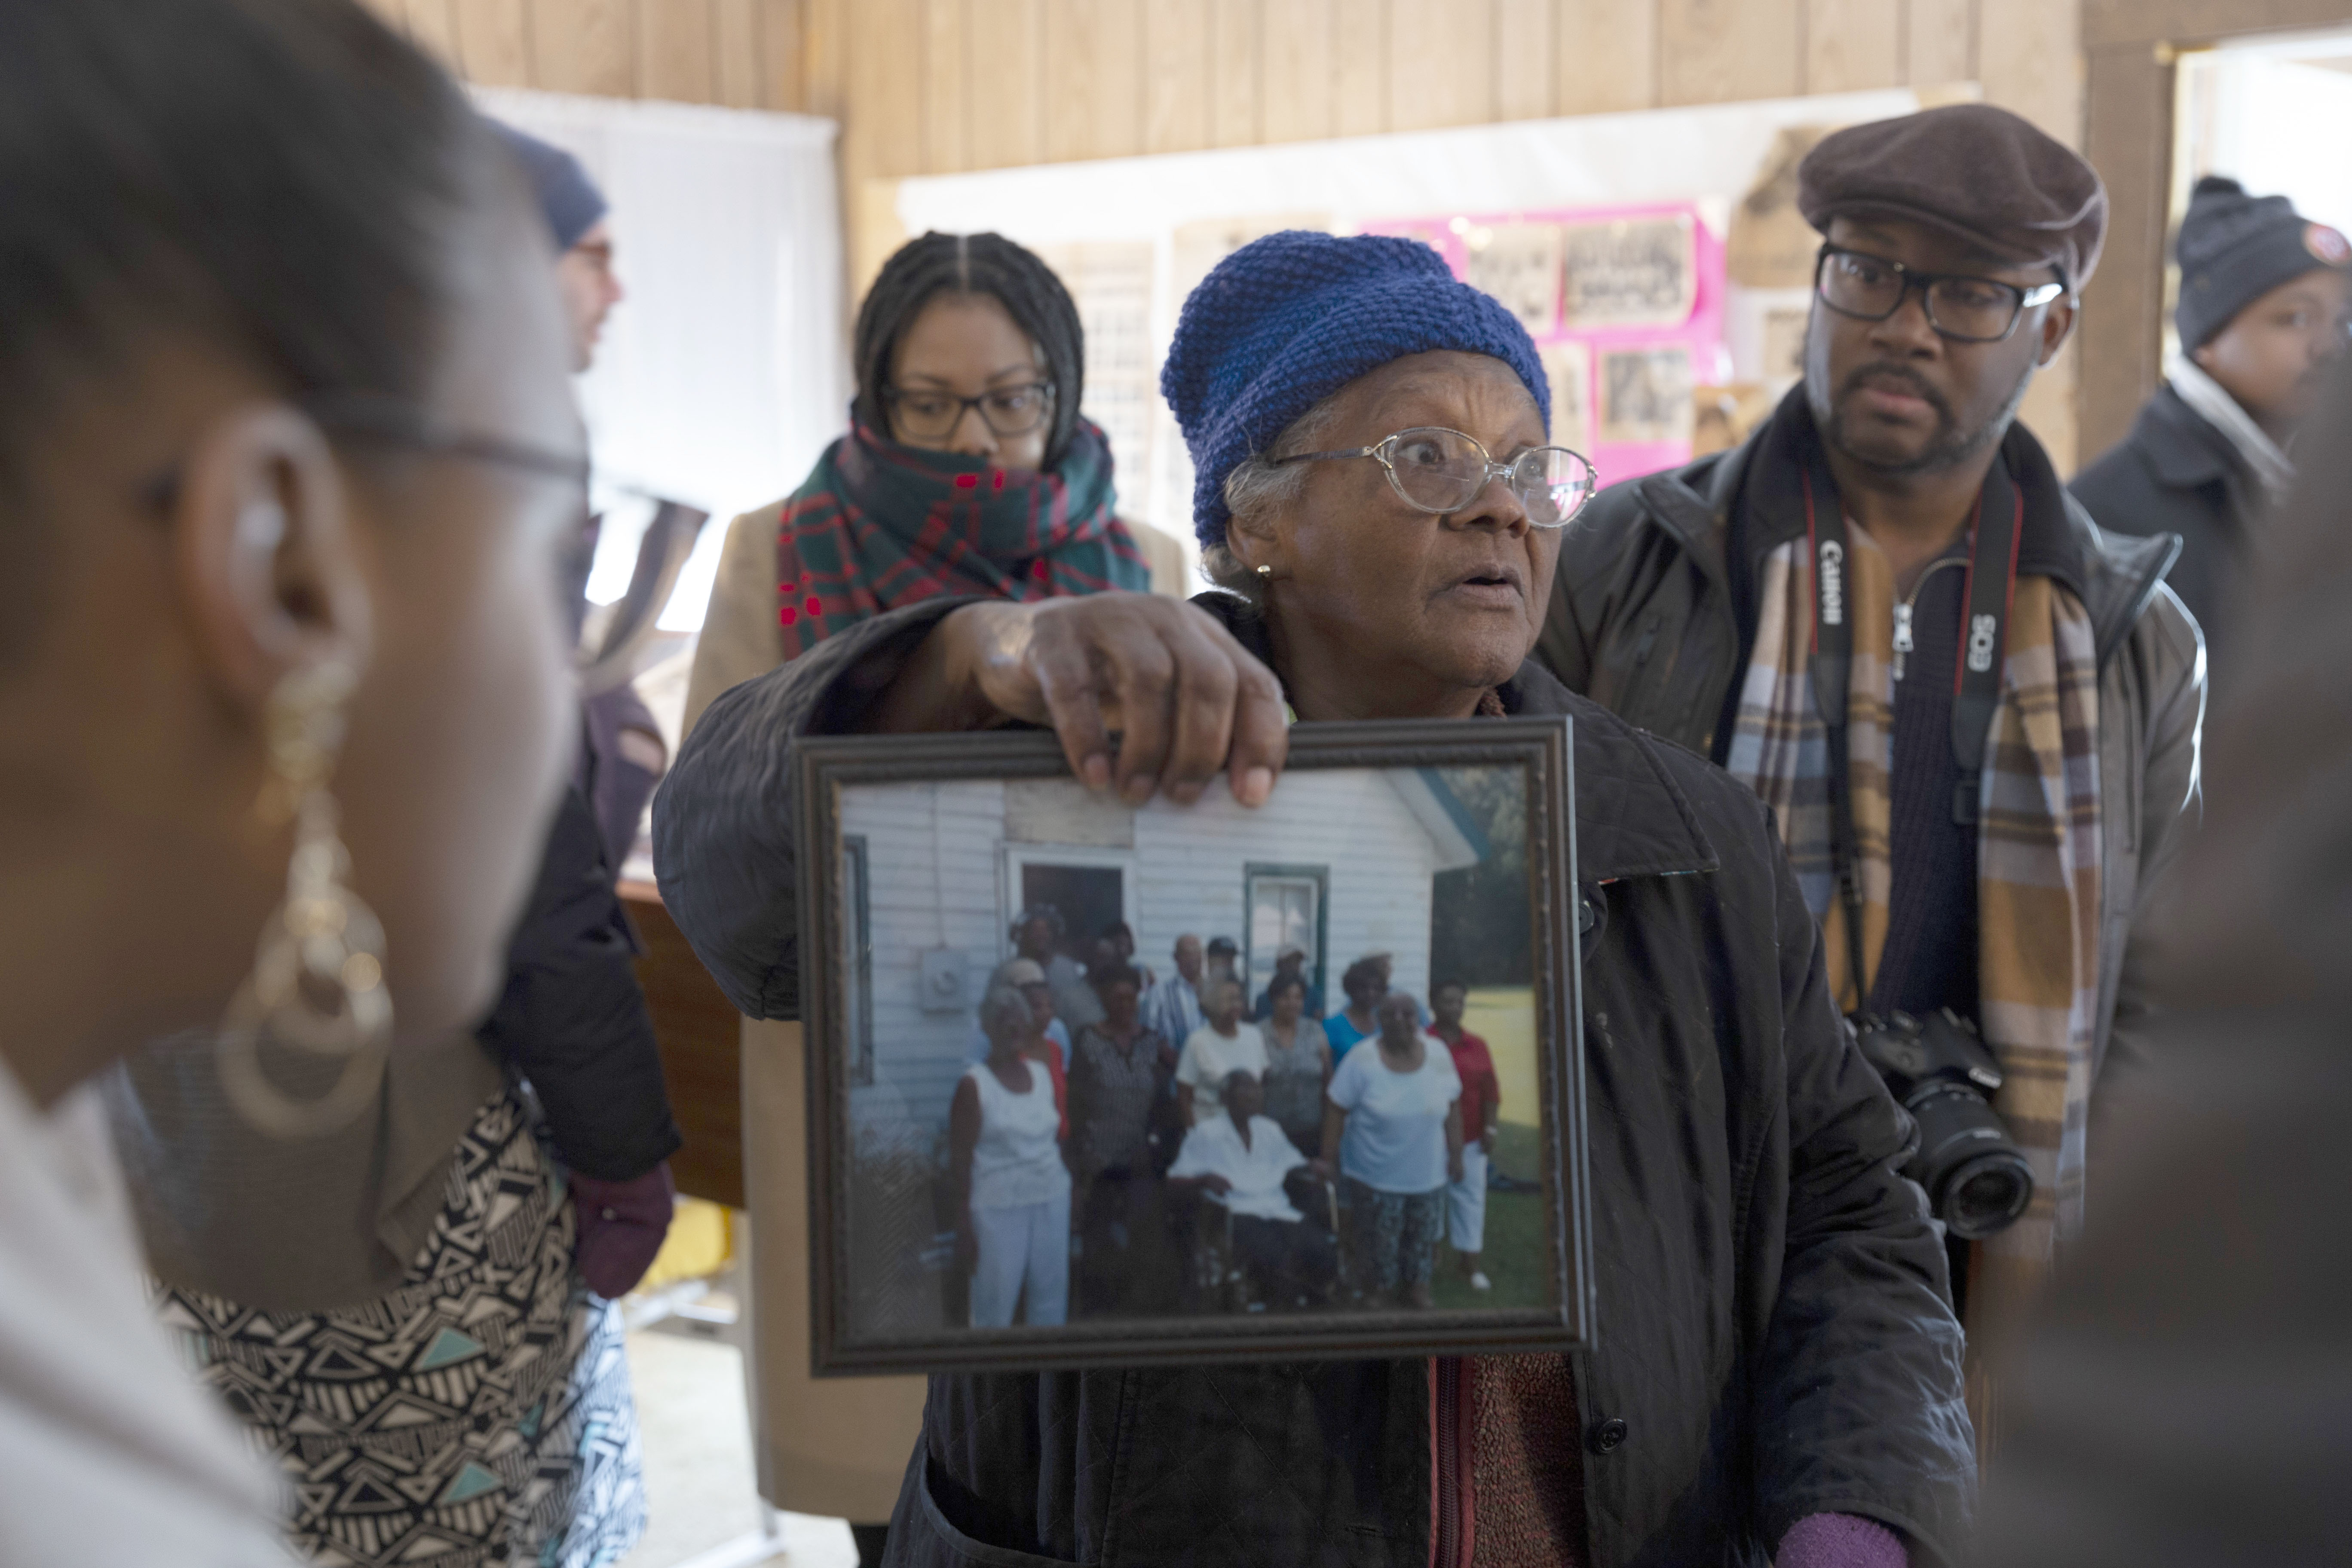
878,525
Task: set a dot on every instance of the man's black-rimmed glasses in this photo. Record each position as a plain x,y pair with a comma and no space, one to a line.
1960,306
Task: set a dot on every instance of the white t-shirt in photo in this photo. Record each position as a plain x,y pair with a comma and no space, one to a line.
1210,1055
1018,1157
1214,1149
1395,1138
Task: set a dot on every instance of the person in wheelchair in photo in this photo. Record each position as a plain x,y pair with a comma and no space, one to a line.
1242,1162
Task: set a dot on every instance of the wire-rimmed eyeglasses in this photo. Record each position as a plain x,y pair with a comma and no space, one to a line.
1432,468
1960,306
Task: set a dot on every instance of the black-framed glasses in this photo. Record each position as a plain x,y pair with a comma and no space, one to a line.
1436,469
398,424
929,416
1960,306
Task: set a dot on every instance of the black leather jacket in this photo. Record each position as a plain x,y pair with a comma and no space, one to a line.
1642,621
1774,1333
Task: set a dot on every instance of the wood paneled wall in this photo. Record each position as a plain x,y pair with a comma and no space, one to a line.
931,86
743,54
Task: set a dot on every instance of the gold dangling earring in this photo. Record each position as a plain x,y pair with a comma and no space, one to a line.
316,984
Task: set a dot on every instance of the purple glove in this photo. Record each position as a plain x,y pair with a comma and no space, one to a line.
621,1227
1840,1540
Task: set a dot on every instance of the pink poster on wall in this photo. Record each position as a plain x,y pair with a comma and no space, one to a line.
1624,303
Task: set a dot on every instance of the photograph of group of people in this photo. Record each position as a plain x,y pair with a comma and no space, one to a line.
1207,1126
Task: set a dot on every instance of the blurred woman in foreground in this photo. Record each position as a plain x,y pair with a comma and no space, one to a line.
287,448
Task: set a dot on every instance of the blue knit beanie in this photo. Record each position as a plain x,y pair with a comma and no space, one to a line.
1287,320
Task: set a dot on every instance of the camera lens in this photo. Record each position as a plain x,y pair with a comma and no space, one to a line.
1986,1194
1978,1181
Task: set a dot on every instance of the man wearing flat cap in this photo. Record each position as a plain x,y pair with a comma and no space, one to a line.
1974,713
2264,300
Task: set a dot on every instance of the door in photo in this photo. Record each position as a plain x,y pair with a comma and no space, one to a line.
1092,896
1286,909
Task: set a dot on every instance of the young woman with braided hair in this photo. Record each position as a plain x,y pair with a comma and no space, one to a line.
967,470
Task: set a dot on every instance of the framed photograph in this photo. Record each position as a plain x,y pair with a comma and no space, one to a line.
1723,417
1645,393
1630,272
1519,264
1784,342
1368,1141
1568,365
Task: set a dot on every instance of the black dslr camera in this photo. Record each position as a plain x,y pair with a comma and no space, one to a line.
1936,1067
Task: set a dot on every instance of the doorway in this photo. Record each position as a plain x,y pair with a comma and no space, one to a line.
2274,114
1091,892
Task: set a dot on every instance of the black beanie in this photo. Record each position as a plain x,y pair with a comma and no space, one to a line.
2234,249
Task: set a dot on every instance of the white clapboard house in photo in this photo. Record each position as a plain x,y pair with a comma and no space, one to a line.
1341,862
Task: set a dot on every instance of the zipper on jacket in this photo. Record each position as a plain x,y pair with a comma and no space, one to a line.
1649,639
1903,641
1448,1393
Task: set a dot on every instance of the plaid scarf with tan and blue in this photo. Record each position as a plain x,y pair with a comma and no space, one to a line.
2038,854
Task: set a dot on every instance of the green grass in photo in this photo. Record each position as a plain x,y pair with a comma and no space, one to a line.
1515,1258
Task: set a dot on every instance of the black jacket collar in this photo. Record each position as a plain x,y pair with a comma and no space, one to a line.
2117,575
1631,819
2182,447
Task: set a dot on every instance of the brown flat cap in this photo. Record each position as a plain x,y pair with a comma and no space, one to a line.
1971,170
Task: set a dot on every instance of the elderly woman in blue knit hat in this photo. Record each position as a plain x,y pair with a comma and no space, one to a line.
1777,1371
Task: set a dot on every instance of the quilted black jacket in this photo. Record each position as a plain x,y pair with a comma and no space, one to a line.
1775,1338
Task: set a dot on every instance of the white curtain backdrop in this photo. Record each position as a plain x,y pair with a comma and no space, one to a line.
724,370
2281,126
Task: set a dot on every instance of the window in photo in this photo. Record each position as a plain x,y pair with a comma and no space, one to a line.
1286,910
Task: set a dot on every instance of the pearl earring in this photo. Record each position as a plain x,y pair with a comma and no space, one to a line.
1265,570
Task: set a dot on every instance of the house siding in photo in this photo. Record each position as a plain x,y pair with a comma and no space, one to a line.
937,878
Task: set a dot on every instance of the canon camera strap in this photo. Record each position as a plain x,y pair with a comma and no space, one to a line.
1997,526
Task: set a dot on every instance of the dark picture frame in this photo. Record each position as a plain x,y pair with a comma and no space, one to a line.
830,980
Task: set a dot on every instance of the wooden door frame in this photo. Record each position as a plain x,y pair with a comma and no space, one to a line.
2129,47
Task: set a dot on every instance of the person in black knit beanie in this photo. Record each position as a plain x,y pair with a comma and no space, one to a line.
2261,317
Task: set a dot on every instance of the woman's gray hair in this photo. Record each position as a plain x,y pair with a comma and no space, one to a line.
1004,1007
1258,488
